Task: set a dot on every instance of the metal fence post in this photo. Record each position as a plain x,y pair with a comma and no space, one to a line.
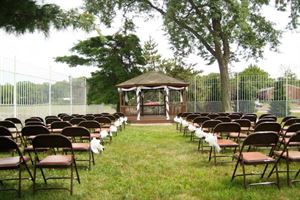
195,94
286,96
50,91
85,96
15,88
237,93
71,94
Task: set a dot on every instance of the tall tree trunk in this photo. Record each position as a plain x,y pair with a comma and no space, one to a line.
225,86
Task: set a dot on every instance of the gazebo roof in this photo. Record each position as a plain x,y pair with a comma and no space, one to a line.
152,79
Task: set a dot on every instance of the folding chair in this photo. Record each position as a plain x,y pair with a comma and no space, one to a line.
289,132
16,121
76,120
105,124
13,129
30,132
58,126
289,122
207,126
93,126
213,115
251,117
290,154
268,126
37,123
54,161
286,118
234,116
89,117
76,134
12,163
197,122
245,125
267,139
50,120
222,131
189,119
223,118
67,118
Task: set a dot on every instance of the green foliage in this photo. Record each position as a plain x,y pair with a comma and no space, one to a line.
118,57
27,15
278,106
176,68
209,28
248,88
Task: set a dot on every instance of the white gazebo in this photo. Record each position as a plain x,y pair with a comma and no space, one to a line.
153,81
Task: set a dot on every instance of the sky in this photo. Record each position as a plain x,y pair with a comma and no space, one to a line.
36,52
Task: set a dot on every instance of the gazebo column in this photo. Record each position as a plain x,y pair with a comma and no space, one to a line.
167,103
138,103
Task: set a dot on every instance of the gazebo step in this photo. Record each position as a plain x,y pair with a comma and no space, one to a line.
150,119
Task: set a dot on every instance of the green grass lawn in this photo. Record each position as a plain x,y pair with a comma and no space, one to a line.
156,162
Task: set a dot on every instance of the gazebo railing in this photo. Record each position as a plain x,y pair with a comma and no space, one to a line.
174,109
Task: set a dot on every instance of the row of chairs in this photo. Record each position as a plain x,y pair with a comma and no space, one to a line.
237,134
61,139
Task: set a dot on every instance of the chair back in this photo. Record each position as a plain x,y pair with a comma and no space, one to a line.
7,145
293,128
98,115
210,124
50,120
191,117
262,140
291,121
234,116
120,114
51,141
29,123
252,118
223,119
103,120
67,118
294,140
59,125
227,127
89,117
76,120
287,118
75,132
8,124
90,124
5,132
268,126
200,119
14,120
213,115
33,130
265,120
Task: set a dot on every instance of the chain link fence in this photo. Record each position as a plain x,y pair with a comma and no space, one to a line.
27,90
249,94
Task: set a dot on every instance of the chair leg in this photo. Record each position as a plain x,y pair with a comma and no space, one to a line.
235,168
277,177
34,178
20,178
215,157
93,158
209,158
262,175
287,172
90,157
77,174
27,168
71,184
244,175
44,177
199,144
297,174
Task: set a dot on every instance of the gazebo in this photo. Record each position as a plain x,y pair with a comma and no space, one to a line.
170,92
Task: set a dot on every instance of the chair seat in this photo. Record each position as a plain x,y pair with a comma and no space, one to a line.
255,158
56,130
293,155
81,146
286,140
11,162
56,160
245,129
288,134
236,135
226,143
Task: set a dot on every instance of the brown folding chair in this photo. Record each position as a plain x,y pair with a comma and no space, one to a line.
76,120
268,126
12,163
207,126
89,117
50,120
28,133
58,126
67,118
245,125
290,154
197,122
267,139
105,124
286,118
93,126
13,129
222,131
54,160
16,121
77,134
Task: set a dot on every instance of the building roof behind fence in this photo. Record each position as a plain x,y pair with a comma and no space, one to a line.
152,79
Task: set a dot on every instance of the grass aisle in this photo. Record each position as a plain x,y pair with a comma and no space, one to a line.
156,162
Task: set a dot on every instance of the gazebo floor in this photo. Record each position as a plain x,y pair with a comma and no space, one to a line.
150,119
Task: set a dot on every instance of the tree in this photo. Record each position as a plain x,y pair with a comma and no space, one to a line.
118,57
27,15
211,28
176,68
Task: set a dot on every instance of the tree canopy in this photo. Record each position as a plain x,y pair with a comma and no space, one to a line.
118,57
27,15
219,31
